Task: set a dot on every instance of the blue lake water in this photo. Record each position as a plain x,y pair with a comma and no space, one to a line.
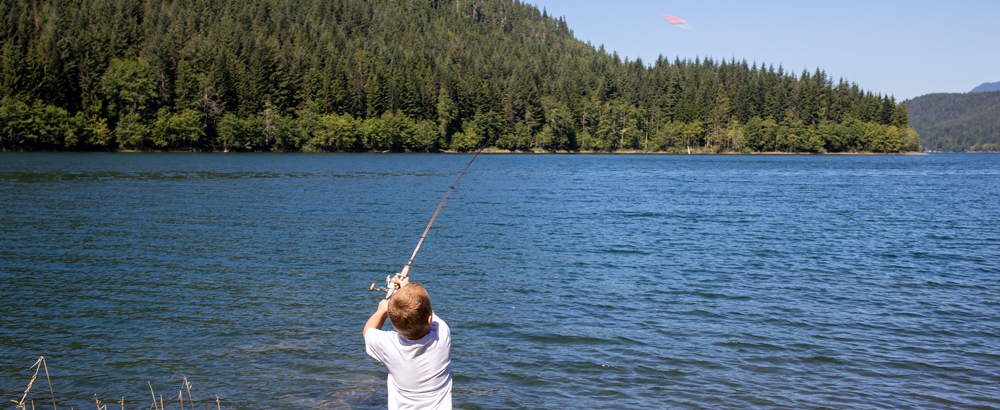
569,281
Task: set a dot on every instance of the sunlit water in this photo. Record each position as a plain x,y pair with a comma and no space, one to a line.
569,281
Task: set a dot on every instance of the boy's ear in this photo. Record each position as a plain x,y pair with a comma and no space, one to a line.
429,320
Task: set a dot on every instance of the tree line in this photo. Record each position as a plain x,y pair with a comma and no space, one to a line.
958,122
400,75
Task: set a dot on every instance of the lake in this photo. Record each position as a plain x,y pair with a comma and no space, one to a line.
569,281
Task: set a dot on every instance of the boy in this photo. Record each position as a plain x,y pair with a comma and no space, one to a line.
417,354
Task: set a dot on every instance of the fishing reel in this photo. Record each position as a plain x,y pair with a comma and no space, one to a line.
391,286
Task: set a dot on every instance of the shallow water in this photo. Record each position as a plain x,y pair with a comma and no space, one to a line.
569,281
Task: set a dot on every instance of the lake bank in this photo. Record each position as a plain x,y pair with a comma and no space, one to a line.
501,151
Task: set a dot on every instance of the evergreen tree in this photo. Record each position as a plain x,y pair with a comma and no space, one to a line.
334,74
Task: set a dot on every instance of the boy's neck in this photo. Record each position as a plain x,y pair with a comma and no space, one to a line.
430,319
418,337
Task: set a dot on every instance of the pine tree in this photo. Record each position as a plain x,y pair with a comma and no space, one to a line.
416,68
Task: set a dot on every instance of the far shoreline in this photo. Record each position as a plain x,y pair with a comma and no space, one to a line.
635,152
497,151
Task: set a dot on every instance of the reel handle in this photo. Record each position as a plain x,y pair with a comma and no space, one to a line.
390,287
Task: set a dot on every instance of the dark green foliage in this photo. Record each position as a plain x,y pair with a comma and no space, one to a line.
957,122
127,89
241,134
180,130
38,126
398,75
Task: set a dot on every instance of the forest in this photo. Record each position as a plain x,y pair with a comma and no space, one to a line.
395,75
958,122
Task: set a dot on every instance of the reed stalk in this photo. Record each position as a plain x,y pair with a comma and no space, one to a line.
99,406
20,404
153,394
51,391
190,400
157,404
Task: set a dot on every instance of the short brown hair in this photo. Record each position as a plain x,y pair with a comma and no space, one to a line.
409,309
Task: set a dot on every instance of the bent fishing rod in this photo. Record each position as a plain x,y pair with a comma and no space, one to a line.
390,288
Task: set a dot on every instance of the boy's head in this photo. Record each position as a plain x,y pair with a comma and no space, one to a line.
410,311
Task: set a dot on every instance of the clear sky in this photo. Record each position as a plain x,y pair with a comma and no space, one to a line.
901,48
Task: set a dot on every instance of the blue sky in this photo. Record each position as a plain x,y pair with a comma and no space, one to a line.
901,48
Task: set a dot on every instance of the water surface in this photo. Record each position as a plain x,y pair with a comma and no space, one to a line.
569,281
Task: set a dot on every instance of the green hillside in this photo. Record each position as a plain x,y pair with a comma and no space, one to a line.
957,122
401,75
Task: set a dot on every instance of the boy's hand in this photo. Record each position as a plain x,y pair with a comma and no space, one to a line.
400,282
383,306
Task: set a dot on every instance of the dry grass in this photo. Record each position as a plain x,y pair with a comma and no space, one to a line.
40,364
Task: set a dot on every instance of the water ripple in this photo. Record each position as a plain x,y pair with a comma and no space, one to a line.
569,281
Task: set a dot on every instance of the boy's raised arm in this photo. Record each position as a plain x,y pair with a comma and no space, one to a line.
378,318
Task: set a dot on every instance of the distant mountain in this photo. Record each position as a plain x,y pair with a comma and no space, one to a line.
957,122
987,87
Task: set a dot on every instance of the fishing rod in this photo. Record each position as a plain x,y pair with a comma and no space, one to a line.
390,287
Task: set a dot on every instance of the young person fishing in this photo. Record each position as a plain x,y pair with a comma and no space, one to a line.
418,353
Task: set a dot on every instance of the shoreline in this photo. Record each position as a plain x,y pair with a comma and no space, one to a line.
506,151
634,152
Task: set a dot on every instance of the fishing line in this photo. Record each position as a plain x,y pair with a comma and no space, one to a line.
391,288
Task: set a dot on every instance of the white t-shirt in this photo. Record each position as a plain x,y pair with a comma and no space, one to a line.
419,370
